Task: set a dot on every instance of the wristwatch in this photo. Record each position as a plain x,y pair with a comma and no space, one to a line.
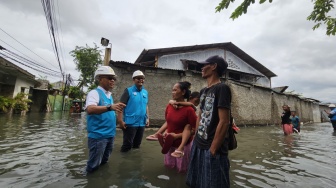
108,107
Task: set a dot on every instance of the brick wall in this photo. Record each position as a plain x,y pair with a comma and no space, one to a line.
251,105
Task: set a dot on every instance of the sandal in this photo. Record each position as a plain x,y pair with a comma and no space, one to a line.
177,154
152,137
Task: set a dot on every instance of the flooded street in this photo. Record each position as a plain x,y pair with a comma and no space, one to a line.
50,150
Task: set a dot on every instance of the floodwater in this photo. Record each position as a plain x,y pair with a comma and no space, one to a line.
49,150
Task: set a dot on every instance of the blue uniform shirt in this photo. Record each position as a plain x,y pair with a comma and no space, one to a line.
102,125
135,113
333,111
295,121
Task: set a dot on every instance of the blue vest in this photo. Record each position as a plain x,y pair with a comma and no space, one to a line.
333,111
135,113
295,121
102,125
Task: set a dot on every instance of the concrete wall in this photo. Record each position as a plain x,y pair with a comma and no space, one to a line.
251,105
22,83
159,84
324,116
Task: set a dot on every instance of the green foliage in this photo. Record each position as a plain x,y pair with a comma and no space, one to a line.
18,104
319,15
50,86
75,92
6,104
93,86
21,102
87,60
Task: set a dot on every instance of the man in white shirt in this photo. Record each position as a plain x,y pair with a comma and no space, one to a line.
101,118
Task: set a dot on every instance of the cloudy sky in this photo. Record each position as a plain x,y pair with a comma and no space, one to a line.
277,35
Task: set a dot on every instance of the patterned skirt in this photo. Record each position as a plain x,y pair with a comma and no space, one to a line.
181,164
208,171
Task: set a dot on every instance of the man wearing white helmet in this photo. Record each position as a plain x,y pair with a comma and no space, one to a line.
135,115
332,115
101,118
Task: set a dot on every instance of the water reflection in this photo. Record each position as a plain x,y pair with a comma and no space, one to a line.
50,150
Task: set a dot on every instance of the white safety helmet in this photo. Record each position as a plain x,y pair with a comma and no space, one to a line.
104,70
332,106
138,73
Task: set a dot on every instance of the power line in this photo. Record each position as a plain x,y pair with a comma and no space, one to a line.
48,73
62,52
23,45
52,26
20,52
28,61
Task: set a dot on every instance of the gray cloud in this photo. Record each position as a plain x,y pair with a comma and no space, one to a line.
277,34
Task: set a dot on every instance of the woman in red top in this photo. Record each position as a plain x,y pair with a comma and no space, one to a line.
179,123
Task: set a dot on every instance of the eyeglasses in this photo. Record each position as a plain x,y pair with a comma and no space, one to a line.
139,78
112,78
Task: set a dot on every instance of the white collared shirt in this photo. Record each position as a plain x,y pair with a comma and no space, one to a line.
92,97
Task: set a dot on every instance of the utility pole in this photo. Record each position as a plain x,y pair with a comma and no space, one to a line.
107,58
64,90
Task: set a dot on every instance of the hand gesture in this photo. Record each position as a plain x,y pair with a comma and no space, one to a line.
122,125
118,107
173,103
147,122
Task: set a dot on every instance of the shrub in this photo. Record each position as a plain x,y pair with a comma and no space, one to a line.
21,102
6,104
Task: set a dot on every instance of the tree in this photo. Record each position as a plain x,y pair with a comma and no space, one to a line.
319,14
87,60
75,92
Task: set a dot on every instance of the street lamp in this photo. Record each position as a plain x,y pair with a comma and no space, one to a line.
104,41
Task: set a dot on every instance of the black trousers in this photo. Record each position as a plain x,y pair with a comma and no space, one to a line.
132,137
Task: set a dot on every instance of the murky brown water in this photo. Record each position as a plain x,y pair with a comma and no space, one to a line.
49,150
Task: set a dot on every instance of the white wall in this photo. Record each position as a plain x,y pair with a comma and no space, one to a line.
235,63
22,83
173,61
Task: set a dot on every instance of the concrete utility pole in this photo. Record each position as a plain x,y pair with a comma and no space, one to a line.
107,58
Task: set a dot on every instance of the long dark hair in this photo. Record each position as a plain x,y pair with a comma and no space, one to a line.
194,94
185,86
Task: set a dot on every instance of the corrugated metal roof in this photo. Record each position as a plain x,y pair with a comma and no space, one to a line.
12,69
123,63
280,89
149,55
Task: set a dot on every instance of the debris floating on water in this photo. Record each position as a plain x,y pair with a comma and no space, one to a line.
163,177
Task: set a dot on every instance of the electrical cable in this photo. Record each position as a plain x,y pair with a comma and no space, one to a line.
28,61
48,73
48,11
22,45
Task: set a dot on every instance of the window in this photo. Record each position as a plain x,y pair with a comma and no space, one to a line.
234,76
